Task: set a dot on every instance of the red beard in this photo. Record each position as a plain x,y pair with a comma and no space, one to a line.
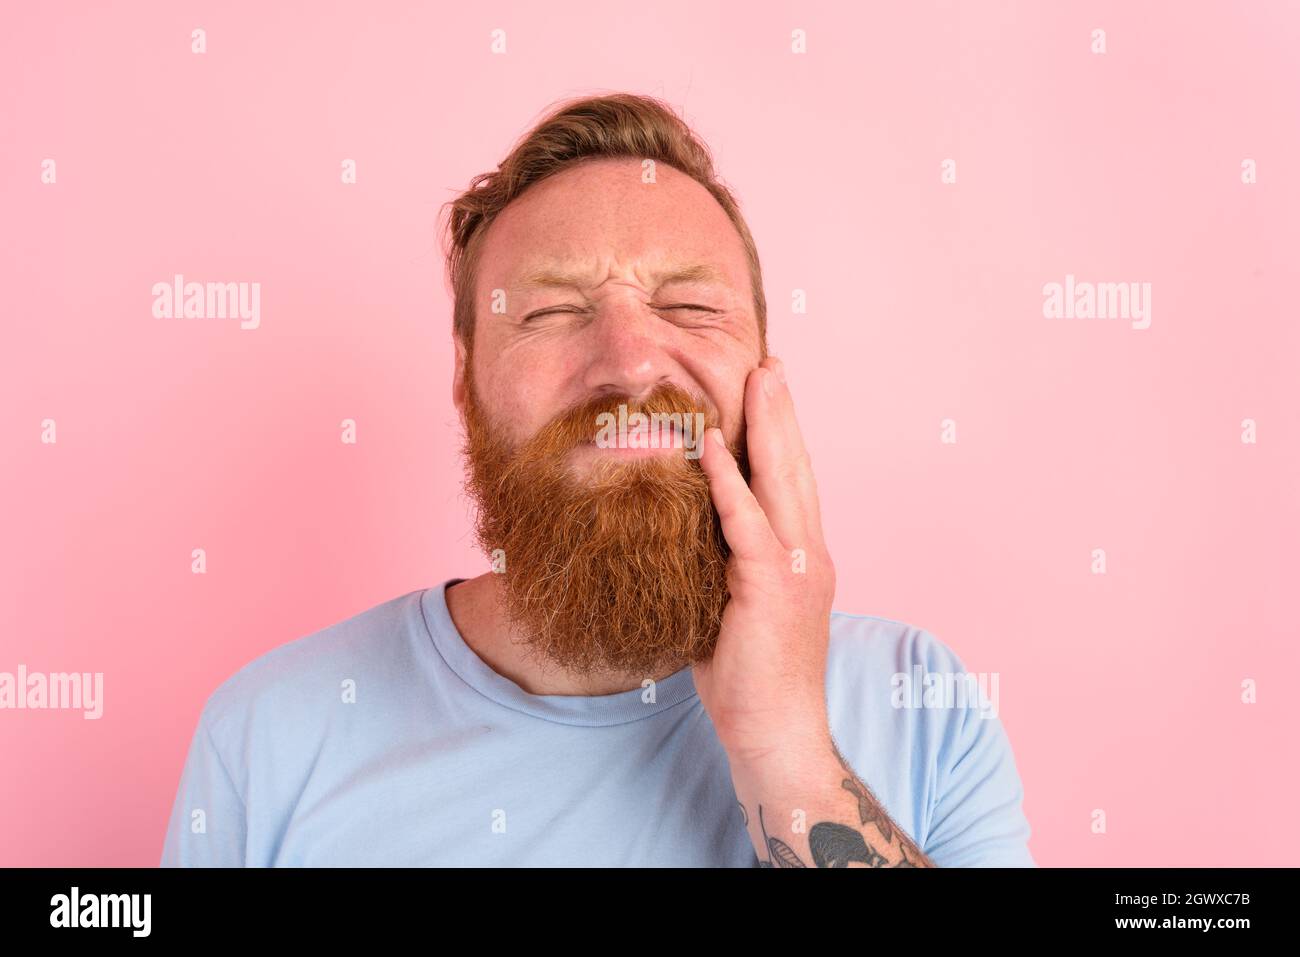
623,570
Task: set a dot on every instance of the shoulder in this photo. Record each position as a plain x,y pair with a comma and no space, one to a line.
291,682
875,668
875,642
918,726
881,663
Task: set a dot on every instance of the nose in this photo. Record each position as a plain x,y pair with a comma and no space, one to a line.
626,351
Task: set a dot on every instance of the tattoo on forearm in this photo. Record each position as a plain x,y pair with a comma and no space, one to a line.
838,845
869,810
782,854
835,845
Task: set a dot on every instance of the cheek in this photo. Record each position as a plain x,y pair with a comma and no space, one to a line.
726,389
518,405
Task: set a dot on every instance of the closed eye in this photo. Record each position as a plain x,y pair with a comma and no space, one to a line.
692,315
554,309
579,309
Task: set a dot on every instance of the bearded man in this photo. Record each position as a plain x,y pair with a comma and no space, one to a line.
651,672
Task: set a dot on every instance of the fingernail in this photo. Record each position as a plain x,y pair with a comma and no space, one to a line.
779,368
769,384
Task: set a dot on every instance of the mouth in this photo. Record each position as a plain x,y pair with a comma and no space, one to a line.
639,435
668,437
649,449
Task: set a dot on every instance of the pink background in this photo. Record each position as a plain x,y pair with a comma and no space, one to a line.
1119,691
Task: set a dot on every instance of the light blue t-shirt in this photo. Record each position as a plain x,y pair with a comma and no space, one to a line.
384,740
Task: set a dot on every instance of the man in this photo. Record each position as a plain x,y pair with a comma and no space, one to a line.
651,673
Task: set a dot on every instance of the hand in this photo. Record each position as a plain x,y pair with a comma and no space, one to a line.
765,688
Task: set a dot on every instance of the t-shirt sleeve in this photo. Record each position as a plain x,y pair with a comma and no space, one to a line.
978,818
207,826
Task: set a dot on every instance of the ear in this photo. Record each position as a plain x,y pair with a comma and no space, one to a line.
458,375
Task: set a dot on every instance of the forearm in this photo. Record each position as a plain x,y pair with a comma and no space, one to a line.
808,809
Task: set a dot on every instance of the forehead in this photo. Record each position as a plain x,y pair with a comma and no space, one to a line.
600,214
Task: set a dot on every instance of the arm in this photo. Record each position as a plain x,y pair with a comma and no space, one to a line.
977,818
207,827
805,807
765,685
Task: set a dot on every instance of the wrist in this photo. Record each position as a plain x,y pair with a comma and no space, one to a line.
792,756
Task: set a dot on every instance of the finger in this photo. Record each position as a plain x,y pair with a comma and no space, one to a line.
780,467
749,535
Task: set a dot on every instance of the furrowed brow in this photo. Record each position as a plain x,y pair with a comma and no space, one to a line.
700,272
548,277
553,278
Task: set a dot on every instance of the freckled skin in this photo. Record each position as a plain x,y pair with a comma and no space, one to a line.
618,337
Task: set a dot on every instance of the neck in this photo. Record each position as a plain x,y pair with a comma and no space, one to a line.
479,615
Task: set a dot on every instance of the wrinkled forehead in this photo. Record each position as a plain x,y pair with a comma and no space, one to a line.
601,221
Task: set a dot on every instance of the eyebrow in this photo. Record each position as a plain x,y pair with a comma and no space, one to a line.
551,277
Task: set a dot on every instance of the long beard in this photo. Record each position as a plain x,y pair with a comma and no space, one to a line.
622,570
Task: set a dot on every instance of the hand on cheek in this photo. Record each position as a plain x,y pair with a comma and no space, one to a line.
765,686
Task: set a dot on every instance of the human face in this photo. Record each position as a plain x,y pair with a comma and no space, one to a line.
610,285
